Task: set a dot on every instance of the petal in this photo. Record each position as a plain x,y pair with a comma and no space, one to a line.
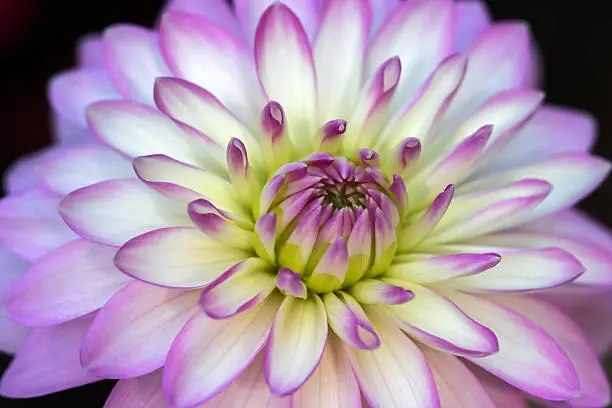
348,320
396,374
133,60
48,362
338,54
22,175
139,392
296,344
13,335
135,129
68,282
523,271
428,269
595,259
528,357
550,132
505,396
436,321
90,51
471,19
190,42
425,26
333,384
113,346
594,386
114,211
218,11
208,354
12,268
65,170
285,67
31,225
70,92
179,257
457,386
248,390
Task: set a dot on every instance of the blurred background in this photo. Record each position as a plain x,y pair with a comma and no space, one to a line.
37,39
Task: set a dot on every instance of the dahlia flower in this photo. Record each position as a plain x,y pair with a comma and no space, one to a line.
331,203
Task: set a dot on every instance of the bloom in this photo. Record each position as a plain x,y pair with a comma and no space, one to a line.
304,203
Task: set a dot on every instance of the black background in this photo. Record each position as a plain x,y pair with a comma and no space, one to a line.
574,38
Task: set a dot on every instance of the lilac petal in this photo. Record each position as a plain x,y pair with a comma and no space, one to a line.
90,51
114,211
408,152
36,371
341,40
289,80
13,335
385,243
69,282
237,159
244,289
218,11
265,229
273,121
133,60
140,392
113,346
332,131
189,42
528,357
359,246
414,268
209,354
397,361
373,291
291,283
331,270
400,195
31,225
212,222
471,19
436,321
348,320
319,159
270,192
180,257
369,157
296,344
296,251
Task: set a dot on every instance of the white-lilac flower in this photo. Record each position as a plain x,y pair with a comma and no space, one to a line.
326,203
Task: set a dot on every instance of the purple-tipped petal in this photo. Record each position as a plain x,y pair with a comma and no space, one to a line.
331,270
408,152
359,246
296,344
400,195
294,253
369,157
270,192
348,320
237,159
273,121
265,229
319,159
333,129
293,206
291,283
373,291
385,242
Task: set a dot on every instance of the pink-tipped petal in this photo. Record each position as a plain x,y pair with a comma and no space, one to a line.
287,77
31,226
114,211
396,374
436,321
296,344
528,357
373,291
69,282
48,362
114,346
348,320
213,223
209,354
331,270
180,257
291,283
332,384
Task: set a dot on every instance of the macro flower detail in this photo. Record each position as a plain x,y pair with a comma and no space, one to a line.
336,203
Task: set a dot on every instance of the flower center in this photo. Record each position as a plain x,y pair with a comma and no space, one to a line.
335,220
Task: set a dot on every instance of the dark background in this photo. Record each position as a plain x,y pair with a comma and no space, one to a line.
37,39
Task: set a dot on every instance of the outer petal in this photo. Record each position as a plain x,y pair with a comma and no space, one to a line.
333,384
286,70
296,344
190,42
72,91
457,386
65,170
528,357
90,51
248,390
48,362
139,392
30,225
180,257
133,60
69,282
218,11
439,323
420,33
594,386
135,129
471,19
396,374
338,54
506,397
13,335
114,211
573,176
113,346
208,354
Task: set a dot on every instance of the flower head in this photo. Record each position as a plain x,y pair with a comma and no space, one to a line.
310,204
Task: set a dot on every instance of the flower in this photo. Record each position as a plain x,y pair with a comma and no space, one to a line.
310,204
